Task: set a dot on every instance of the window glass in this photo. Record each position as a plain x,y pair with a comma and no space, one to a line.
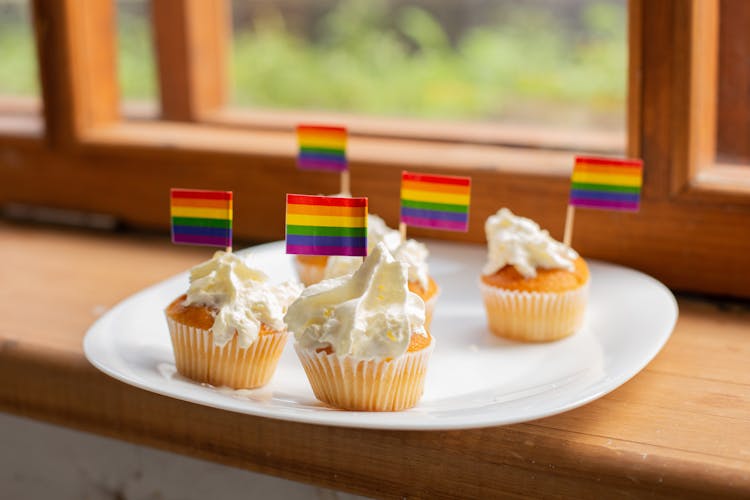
534,62
18,67
136,62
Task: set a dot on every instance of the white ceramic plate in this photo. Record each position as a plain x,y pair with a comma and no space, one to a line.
474,379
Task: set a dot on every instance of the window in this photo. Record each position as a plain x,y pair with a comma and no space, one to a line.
19,89
692,231
136,67
18,71
542,63
534,74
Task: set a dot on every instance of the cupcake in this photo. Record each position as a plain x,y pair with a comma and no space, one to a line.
228,330
313,268
361,337
534,288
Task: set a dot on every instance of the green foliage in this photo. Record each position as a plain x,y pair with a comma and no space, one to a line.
367,58
136,64
386,58
18,73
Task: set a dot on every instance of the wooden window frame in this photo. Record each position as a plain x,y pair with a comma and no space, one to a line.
692,232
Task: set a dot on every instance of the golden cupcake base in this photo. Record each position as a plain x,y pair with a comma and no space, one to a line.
366,385
197,358
534,316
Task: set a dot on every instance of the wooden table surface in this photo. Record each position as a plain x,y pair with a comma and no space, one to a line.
680,427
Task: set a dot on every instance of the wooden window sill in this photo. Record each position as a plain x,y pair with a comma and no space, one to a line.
681,427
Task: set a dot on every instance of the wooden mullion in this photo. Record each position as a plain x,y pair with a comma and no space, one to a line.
734,82
192,42
657,86
635,78
77,66
49,27
697,50
676,79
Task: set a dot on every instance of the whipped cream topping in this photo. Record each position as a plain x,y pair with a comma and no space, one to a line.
240,296
341,265
521,243
377,231
369,314
414,255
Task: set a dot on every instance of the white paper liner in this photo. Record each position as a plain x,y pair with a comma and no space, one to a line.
309,274
534,316
366,385
198,358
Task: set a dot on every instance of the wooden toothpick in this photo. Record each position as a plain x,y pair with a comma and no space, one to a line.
345,187
569,218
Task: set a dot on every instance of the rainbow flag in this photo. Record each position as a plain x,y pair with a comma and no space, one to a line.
201,217
324,225
322,148
606,183
435,201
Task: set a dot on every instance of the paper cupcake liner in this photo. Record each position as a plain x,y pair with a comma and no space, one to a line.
198,358
534,316
366,385
309,274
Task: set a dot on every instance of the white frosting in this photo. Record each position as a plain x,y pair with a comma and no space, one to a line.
521,243
241,297
341,265
377,231
369,314
414,255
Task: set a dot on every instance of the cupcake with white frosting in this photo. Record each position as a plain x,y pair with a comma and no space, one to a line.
534,288
361,337
228,330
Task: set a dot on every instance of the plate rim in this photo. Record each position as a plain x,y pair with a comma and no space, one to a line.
373,420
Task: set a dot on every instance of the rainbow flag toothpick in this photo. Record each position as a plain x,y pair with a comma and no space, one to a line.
322,148
323,225
201,217
435,201
606,183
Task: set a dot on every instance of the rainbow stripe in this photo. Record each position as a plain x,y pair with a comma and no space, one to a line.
324,225
606,183
201,217
322,148
435,201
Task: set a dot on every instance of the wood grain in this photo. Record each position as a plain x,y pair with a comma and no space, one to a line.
689,246
682,76
704,53
536,136
695,42
734,82
680,428
635,78
192,46
77,66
